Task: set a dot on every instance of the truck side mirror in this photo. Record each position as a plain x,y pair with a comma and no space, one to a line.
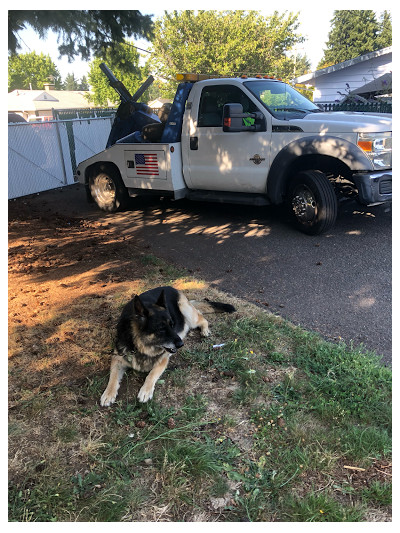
234,120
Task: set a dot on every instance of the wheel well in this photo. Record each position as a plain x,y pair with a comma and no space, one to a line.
324,163
101,166
334,168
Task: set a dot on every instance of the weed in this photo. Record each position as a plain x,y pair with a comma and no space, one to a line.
150,259
194,407
359,441
378,493
191,457
320,508
67,432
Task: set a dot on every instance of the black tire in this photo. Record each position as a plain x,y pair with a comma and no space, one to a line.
108,191
312,202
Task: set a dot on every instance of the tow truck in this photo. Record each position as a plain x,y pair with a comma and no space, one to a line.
245,140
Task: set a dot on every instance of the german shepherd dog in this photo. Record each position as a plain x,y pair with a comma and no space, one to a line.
151,328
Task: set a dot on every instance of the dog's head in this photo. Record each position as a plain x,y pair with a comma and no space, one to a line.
156,328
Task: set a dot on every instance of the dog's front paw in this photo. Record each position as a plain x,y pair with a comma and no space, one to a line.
205,332
145,394
107,398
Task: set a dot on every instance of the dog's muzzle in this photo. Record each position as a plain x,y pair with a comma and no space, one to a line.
178,343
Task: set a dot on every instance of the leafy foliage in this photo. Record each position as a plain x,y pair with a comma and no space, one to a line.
226,43
123,60
31,70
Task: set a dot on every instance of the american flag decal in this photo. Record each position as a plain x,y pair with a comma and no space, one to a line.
146,164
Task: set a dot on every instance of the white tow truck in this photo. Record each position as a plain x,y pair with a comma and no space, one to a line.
247,141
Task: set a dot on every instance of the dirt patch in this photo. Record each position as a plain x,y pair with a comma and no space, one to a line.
65,275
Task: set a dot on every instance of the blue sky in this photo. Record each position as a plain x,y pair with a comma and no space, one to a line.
314,26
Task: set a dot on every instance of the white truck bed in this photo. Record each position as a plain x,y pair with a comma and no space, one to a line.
156,167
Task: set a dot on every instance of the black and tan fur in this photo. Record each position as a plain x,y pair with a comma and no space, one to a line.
151,328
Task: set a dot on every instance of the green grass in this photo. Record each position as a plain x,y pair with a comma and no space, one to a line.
321,508
377,493
257,430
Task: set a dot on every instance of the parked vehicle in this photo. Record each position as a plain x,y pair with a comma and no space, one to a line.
15,117
247,141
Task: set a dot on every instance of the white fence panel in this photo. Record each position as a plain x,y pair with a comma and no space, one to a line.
38,158
90,137
43,156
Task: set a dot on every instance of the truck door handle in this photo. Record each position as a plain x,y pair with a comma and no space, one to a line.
194,143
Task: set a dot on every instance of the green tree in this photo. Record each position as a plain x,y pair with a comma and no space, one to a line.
123,61
223,43
82,33
31,71
83,84
384,37
70,83
300,64
353,33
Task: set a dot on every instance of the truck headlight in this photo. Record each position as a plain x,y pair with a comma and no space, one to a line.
378,147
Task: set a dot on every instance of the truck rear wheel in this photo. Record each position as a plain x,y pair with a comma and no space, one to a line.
312,202
108,191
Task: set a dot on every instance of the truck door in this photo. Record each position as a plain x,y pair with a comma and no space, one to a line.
222,161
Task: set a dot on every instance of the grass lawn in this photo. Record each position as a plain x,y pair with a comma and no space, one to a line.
274,425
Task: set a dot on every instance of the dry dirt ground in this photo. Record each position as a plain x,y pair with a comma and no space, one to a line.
56,263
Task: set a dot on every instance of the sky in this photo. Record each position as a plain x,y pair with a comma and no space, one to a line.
314,26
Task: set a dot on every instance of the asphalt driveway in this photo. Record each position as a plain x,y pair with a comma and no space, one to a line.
338,284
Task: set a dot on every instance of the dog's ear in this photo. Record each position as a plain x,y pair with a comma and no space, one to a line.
161,302
139,307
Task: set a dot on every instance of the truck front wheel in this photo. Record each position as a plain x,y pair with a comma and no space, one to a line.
312,202
108,191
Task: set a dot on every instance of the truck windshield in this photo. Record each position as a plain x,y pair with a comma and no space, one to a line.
281,100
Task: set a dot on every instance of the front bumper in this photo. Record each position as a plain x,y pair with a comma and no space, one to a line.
374,187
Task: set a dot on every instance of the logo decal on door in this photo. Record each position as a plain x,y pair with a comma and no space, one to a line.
257,159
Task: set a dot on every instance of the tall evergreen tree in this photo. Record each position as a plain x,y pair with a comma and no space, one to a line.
83,84
70,83
384,38
353,33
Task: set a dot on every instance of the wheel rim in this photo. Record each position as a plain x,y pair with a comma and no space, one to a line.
104,189
304,204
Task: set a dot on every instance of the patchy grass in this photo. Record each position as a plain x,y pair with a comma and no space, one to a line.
273,425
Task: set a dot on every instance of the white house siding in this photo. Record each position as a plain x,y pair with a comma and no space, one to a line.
347,76
328,85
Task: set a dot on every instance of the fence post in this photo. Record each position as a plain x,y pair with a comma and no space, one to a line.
61,152
71,143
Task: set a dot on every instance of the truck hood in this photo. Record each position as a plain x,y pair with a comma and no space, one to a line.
344,121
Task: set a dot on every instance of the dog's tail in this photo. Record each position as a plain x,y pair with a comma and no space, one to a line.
221,307
207,306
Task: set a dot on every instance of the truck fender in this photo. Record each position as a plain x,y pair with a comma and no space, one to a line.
284,164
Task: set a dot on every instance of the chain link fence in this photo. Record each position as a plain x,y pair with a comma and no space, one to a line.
43,156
